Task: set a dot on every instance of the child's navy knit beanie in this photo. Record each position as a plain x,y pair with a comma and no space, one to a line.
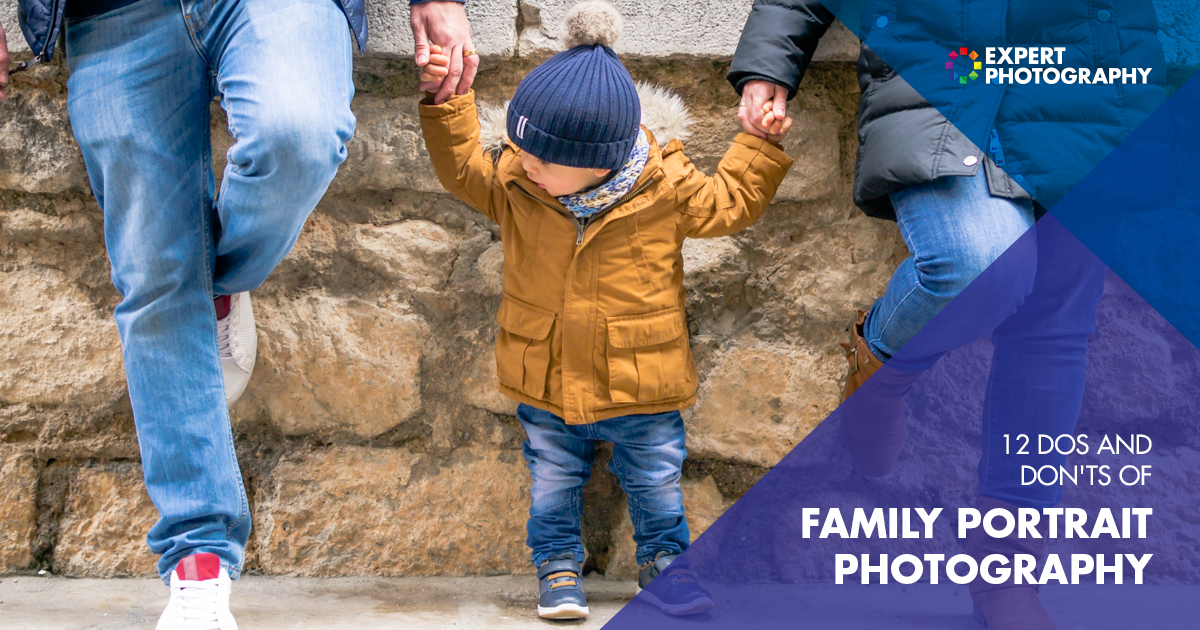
580,108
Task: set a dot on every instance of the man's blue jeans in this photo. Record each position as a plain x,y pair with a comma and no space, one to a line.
142,78
648,454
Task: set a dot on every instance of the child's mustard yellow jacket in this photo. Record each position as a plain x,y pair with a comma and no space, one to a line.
592,319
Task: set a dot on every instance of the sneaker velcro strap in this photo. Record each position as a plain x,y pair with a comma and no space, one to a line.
661,563
556,566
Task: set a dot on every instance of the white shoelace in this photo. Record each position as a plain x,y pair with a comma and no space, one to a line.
226,340
199,602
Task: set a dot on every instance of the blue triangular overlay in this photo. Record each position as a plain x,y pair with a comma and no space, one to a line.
1096,346
1081,355
1139,210
1048,135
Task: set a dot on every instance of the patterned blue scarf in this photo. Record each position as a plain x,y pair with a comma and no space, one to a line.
589,202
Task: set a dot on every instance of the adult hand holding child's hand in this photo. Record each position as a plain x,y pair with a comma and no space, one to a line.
778,126
445,24
758,98
434,71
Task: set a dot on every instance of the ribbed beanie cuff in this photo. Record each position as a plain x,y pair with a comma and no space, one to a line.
575,153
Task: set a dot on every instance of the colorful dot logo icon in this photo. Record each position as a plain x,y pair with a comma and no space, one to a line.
963,65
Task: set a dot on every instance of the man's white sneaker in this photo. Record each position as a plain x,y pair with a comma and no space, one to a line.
199,596
237,341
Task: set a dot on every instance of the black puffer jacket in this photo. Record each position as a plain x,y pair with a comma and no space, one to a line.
903,140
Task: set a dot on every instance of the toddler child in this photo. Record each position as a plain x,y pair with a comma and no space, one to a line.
593,341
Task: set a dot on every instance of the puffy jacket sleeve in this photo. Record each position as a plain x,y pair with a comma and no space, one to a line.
733,198
778,42
451,133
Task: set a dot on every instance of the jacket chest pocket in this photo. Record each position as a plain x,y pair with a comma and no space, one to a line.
523,347
647,357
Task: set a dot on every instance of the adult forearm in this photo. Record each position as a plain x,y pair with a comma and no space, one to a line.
778,42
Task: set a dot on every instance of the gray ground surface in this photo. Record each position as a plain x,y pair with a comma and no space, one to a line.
272,603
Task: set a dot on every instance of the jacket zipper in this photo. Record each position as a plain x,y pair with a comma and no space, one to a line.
994,147
581,226
50,43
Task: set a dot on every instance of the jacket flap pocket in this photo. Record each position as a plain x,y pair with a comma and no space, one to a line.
651,329
523,319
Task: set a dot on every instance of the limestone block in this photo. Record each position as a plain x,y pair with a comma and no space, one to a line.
23,225
327,365
55,347
416,254
814,148
387,150
315,253
493,27
393,512
659,27
490,267
668,27
104,525
702,504
12,30
830,260
758,401
38,153
18,509
479,383
494,23
709,256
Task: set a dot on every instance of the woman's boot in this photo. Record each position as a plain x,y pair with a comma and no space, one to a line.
862,363
873,420
1007,606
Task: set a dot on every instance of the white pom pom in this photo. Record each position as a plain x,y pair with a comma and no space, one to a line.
593,22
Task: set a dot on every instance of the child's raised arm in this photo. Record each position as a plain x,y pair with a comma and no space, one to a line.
733,198
451,131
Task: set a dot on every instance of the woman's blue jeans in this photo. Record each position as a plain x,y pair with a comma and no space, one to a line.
648,454
954,229
1034,290
142,79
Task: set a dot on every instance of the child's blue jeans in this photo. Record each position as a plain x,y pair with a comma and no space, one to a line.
648,454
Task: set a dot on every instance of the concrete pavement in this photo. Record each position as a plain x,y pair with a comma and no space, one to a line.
274,603
505,603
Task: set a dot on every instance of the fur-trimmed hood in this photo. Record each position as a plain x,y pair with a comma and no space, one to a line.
663,114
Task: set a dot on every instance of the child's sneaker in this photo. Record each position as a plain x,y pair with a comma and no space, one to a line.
560,589
672,587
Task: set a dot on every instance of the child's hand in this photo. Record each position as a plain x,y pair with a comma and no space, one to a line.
777,128
433,72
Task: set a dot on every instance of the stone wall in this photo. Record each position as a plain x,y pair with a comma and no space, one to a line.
372,438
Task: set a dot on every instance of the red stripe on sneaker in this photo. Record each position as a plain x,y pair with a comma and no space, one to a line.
199,567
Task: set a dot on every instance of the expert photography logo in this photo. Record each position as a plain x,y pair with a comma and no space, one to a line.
1022,65
964,65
